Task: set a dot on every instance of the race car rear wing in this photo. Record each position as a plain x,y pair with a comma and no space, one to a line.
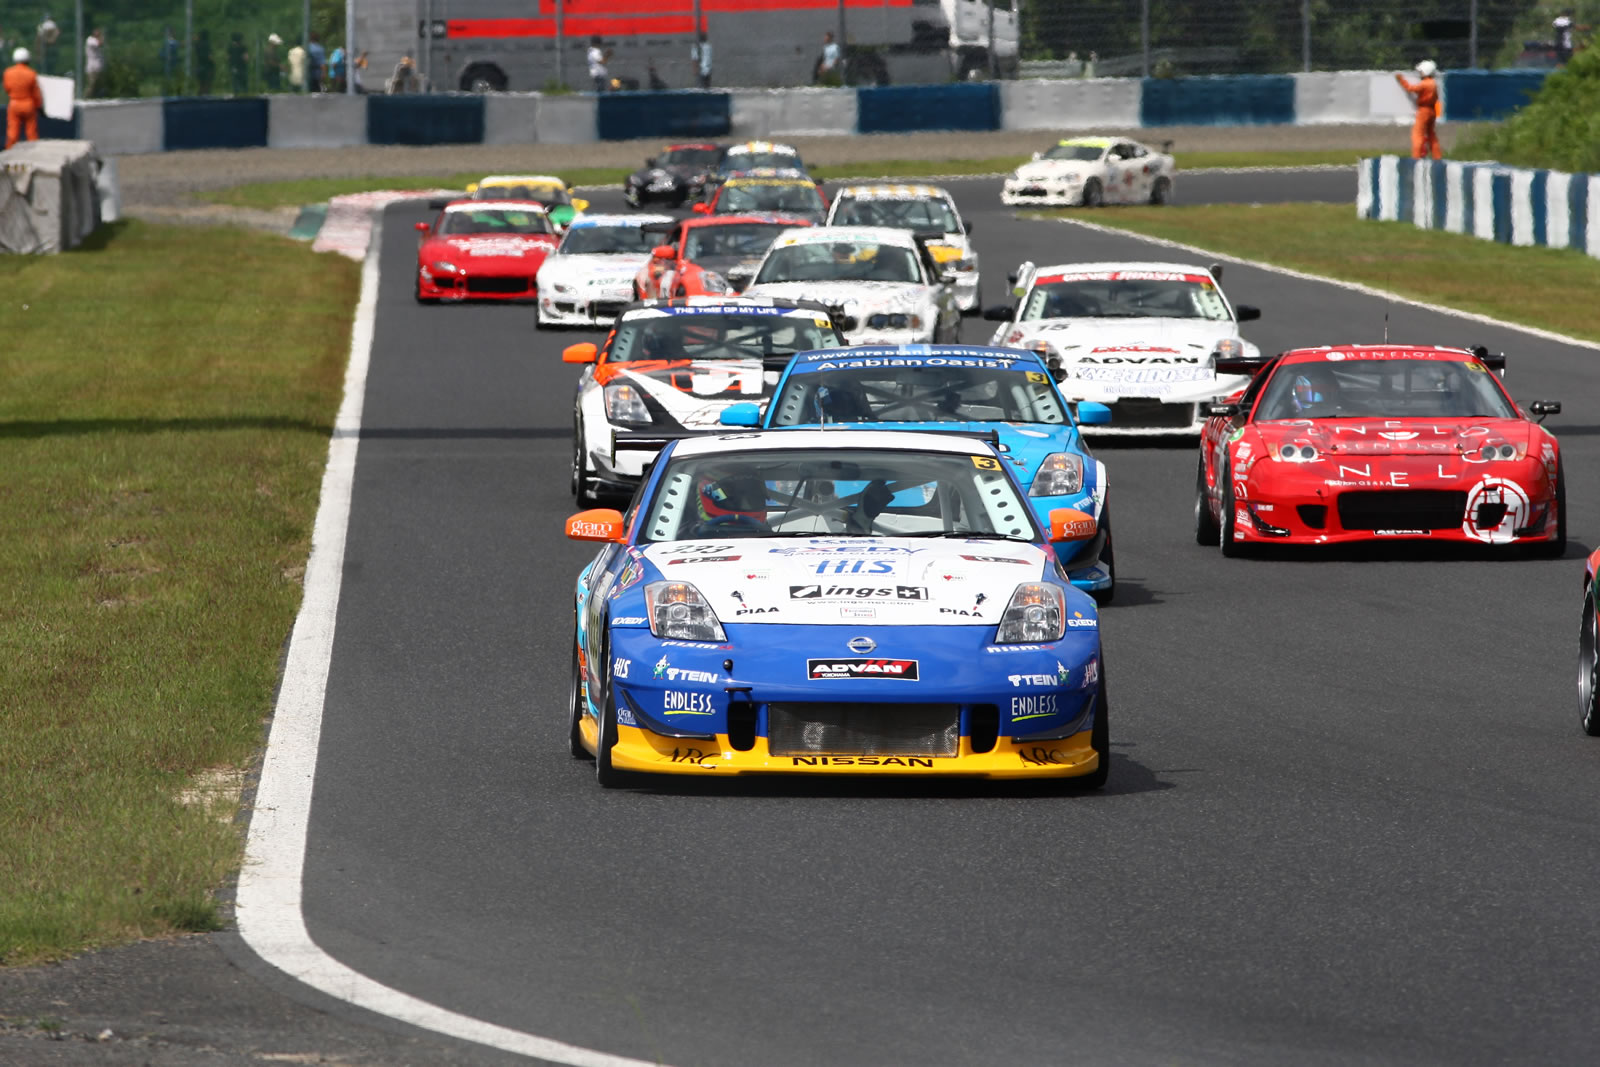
1495,361
1242,365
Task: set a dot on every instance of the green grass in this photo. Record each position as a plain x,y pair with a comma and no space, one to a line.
316,190
1544,287
168,398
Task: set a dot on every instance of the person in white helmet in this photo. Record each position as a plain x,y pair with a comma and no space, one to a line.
1424,94
24,101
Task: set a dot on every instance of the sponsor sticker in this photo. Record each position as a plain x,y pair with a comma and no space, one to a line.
702,559
683,702
861,761
1034,707
857,592
986,463
904,670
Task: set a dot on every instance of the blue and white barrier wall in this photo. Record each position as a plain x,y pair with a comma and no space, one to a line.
1511,205
128,127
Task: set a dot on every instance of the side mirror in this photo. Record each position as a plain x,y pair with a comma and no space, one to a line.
966,225
1070,524
1036,156
650,162
1092,414
1246,312
948,277
998,313
701,208
597,524
664,252
1221,411
1215,268
472,188
585,352
579,204
1541,408
745,414
423,227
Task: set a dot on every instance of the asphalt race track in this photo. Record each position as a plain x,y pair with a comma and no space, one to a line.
1346,821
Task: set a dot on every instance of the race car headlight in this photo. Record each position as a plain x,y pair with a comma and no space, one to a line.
1059,474
678,612
560,287
1500,451
894,321
715,283
1230,348
445,268
1294,452
625,406
1041,347
1036,614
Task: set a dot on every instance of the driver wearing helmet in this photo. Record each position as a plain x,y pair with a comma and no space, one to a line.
1314,391
732,501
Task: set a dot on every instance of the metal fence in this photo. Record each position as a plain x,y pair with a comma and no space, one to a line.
245,47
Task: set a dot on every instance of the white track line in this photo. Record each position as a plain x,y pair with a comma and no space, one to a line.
268,902
1354,287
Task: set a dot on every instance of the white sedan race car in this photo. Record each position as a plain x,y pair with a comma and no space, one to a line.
882,285
1090,171
1142,338
588,279
925,209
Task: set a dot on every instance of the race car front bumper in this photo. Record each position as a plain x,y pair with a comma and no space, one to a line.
587,307
1041,194
1140,416
438,285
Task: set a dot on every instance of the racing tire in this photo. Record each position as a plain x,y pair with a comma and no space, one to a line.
1589,668
1557,548
1108,557
604,773
575,702
1161,191
1205,523
1227,522
1093,194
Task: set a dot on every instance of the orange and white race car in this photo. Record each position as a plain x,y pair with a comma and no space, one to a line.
710,255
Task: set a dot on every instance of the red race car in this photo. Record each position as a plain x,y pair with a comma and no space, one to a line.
1378,442
787,192
483,250
710,255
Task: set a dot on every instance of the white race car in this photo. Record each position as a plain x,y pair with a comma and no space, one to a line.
588,279
1090,171
923,209
1141,338
883,285
669,369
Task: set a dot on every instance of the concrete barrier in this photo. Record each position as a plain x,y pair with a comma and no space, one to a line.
213,122
511,118
1478,95
1322,97
122,127
908,108
416,119
683,114
1243,100
321,120
1074,104
1490,201
566,120
760,114
49,201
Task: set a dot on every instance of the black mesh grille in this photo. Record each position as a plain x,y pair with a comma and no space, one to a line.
1402,509
498,285
1147,414
1313,515
606,310
863,729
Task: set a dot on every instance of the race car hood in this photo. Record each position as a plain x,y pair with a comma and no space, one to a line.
516,250
1046,169
854,581
1109,358
694,392
1078,337
854,298
608,269
1444,438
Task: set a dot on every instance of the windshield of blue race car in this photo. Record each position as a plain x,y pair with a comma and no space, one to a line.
838,261
836,492
602,240
1087,153
1383,388
926,213
738,198
918,394
722,335
1126,295
746,240
493,220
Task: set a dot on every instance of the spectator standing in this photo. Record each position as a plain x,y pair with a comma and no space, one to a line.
205,64
316,65
272,63
358,72
24,100
597,57
94,60
404,79
1090,64
238,64
336,71
827,68
700,52
1425,94
297,68
170,50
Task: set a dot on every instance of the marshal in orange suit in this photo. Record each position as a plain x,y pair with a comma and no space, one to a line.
24,101
1425,94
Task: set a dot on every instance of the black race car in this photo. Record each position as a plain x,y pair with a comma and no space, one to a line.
678,174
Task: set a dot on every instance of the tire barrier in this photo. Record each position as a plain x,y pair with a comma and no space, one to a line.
1512,205
1245,100
213,122
417,119
909,108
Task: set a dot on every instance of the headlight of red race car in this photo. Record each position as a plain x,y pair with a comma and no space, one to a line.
441,267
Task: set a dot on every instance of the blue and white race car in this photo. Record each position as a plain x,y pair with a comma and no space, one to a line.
1004,391
835,602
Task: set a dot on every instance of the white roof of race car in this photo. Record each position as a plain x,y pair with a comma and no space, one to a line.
874,439
885,191
761,146
531,206
522,179
585,222
819,235
1125,267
